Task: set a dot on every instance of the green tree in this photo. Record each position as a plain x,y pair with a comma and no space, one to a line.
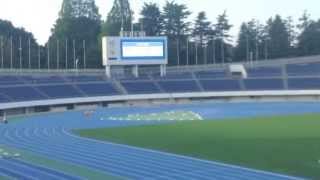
222,28
279,43
176,27
202,28
202,31
79,23
151,19
120,16
309,40
10,37
250,41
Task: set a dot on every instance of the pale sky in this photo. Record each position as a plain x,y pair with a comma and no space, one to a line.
38,16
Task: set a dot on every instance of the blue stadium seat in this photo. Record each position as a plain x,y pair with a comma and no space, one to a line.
43,79
173,76
264,84
179,86
221,85
146,87
24,93
3,99
303,69
264,72
210,74
83,78
96,89
304,83
60,91
10,80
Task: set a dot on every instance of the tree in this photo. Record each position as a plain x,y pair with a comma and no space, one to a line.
309,40
202,28
120,16
222,29
202,31
279,37
305,21
176,27
250,41
78,23
151,19
10,36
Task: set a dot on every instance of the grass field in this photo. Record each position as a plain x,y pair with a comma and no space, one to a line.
286,144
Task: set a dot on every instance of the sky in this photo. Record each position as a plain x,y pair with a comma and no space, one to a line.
39,16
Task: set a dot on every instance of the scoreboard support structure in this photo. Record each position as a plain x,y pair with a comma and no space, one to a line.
134,52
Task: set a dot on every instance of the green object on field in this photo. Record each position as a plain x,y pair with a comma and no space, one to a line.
284,144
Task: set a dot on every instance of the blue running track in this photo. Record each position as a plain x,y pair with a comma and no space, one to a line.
51,135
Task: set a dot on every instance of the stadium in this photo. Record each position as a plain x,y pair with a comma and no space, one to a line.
48,111
159,97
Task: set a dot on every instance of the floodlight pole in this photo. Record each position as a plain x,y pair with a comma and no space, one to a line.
187,50
20,52
266,49
84,55
74,53
11,53
247,48
196,44
48,54
178,51
39,57
2,56
257,49
66,60
58,53
213,50
29,42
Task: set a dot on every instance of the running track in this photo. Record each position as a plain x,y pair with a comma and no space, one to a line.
51,135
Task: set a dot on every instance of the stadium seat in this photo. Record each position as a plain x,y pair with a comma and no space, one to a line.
264,84
60,91
179,86
24,93
221,85
96,89
146,87
304,83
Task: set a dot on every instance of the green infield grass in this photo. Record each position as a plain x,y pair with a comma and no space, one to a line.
284,144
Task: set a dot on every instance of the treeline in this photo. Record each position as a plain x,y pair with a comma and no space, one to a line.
75,39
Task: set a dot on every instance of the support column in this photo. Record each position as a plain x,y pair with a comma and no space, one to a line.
135,71
163,70
108,71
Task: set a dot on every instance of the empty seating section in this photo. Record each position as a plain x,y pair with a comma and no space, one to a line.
304,83
85,78
172,76
303,69
10,80
18,87
3,98
60,91
264,84
97,89
42,79
265,72
210,74
220,85
146,87
179,86
24,93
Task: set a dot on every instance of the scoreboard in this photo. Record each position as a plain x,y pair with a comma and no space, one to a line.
134,51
